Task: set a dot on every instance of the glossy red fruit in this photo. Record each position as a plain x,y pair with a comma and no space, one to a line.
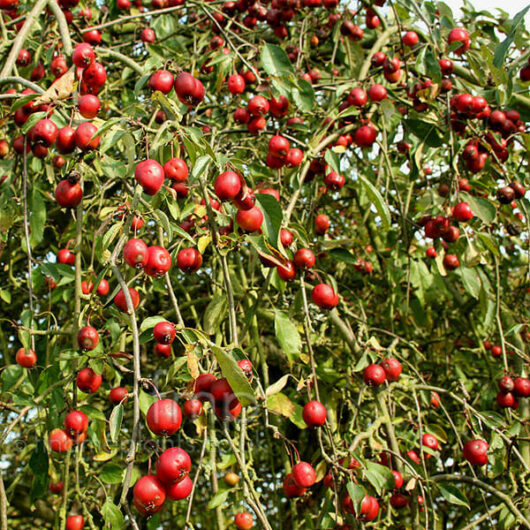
150,175
357,97
221,391
68,195
59,441
88,381
430,441
190,90
243,521
228,412
334,181
374,375
236,84
241,115
83,55
286,237
431,253
314,414
294,157
377,92
173,465
462,212
56,487
164,332
522,387
75,522
84,136
321,224
117,395
180,490
189,260
287,271
44,132
26,358
121,303
324,296
476,452
506,399
446,65
149,495
94,77
399,500
304,475
75,422
103,288
462,36
451,262
164,417
304,258
93,37
392,368
410,38
291,488
279,146
66,257
23,58
227,185
279,107
88,338
203,385
89,106
65,141
136,253
258,106
246,368
365,136
148,36
496,350
192,408
158,261
506,384
249,220
162,350
176,169
398,479
161,80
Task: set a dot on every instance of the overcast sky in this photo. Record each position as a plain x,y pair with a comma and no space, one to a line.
510,6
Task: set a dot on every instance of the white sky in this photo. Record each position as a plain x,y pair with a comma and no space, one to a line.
510,6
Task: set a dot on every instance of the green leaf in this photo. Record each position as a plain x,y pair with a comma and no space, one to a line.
277,386
235,376
116,417
38,464
377,200
164,221
303,95
145,401
380,477
287,335
453,495
37,216
5,296
31,121
93,413
151,322
10,376
357,494
502,48
333,160
215,313
111,473
275,61
272,217
200,167
342,254
21,101
112,516
219,498
280,404
482,208
471,281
